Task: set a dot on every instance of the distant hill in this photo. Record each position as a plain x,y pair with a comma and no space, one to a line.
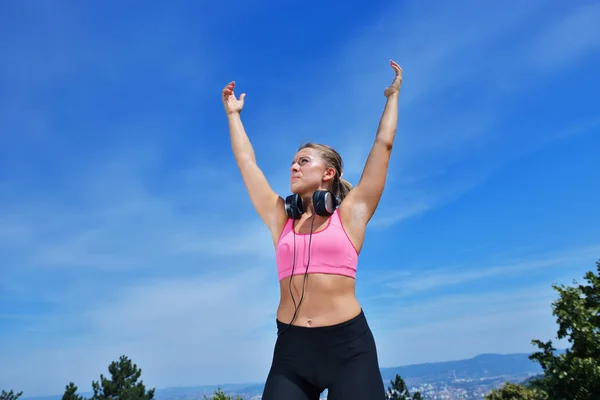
481,367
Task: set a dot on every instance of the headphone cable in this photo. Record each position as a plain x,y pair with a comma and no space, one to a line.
297,308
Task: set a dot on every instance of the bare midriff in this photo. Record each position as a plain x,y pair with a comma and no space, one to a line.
328,300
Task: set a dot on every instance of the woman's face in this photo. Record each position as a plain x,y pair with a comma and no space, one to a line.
308,172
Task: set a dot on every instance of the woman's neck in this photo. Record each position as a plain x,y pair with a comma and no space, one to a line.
307,204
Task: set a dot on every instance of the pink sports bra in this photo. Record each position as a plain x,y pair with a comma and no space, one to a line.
331,251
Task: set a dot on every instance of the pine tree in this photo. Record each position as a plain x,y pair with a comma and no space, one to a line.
71,392
123,383
10,395
399,391
220,395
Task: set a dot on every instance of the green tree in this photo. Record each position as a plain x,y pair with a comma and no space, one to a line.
574,375
10,395
535,383
399,391
514,391
123,383
71,392
220,395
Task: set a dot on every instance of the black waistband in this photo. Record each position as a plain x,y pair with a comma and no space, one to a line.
344,330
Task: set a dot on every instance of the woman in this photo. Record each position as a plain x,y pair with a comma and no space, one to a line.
324,341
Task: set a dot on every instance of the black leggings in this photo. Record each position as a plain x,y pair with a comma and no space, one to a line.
341,358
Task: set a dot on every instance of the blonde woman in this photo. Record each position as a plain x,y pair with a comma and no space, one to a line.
324,340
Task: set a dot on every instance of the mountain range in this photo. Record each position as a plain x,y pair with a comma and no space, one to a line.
484,367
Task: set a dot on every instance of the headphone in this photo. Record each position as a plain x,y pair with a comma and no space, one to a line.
324,203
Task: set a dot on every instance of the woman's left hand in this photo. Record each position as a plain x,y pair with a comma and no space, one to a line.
394,88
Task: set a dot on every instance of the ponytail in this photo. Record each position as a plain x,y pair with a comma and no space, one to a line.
344,187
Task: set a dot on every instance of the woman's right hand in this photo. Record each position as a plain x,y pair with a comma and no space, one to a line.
232,105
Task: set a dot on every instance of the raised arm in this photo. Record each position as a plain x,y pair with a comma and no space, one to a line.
267,203
362,201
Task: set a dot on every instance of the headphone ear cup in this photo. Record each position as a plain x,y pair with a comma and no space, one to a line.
293,206
324,202
334,202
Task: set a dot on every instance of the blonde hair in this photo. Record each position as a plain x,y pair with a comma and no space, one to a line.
339,186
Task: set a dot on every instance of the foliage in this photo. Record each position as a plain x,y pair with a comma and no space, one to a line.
71,392
399,391
535,382
574,375
220,395
123,383
514,391
10,395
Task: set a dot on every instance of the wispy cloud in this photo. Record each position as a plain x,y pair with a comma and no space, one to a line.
504,320
569,39
173,328
456,77
455,69
169,287
446,311
401,283
121,262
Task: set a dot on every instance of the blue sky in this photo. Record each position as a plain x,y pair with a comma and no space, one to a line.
125,227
